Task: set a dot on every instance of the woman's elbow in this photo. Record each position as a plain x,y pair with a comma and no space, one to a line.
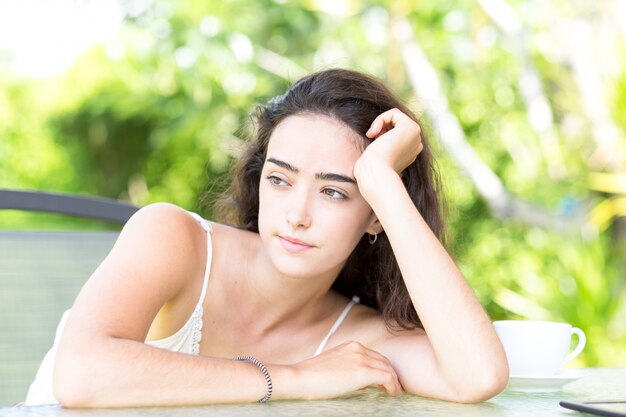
72,386
484,386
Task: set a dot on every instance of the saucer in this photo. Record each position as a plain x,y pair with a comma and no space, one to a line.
550,383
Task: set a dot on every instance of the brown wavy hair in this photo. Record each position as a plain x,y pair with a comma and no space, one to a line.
371,271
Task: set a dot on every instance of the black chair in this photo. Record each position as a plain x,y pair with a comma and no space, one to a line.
41,273
72,205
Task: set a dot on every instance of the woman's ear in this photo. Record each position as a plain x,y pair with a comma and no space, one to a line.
374,226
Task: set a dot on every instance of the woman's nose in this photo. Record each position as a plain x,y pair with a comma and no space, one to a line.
298,212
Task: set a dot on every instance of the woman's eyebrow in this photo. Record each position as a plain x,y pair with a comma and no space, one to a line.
328,176
283,164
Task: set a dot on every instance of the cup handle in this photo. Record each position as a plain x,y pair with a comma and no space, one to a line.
579,347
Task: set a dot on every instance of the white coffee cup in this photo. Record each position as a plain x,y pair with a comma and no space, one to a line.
538,348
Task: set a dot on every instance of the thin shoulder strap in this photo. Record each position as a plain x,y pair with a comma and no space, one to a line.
340,319
209,254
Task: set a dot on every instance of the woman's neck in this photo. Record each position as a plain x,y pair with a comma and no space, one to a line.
270,299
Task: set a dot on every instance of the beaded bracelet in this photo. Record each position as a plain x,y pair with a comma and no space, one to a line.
265,373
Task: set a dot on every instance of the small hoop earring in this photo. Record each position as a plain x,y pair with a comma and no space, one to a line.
372,241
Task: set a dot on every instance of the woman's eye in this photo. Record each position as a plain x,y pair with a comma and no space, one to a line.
334,194
274,180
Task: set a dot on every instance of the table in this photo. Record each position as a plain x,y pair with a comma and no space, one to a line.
599,384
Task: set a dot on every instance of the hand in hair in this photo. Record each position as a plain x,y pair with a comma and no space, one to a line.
397,140
342,370
397,143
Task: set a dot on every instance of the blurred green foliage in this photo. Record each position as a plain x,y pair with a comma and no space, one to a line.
157,114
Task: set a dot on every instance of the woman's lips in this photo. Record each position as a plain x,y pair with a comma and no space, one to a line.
293,245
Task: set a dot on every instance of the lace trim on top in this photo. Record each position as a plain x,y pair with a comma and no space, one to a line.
196,334
196,317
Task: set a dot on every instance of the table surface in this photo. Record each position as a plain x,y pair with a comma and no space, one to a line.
598,384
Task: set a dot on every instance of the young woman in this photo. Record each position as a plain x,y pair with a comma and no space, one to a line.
336,197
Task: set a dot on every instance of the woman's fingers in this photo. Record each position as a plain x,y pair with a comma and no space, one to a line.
382,123
370,367
387,121
397,141
376,128
350,367
376,357
388,382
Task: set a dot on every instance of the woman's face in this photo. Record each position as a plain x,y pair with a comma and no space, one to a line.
311,214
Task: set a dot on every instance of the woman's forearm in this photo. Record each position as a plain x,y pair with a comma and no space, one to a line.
463,339
121,372
126,373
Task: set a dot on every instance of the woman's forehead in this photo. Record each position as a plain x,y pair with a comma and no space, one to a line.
315,139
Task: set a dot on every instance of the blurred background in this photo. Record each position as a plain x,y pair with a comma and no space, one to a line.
524,101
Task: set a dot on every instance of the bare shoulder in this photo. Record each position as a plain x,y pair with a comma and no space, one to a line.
175,238
227,234
184,234
162,233
229,243
171,219
367,325
161,218
156,257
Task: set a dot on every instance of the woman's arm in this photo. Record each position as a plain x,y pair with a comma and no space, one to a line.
103,361
460,358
